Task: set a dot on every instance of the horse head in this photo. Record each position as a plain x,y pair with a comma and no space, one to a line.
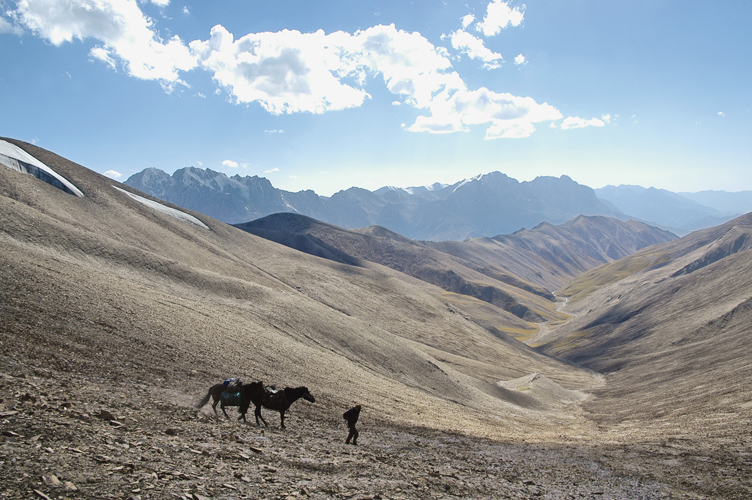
307,395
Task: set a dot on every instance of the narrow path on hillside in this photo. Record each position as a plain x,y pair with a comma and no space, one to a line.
544,329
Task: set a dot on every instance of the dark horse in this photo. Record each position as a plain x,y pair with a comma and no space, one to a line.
216,391
256,393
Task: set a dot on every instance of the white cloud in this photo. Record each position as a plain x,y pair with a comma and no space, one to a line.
126,35
230,163
271,170
577,122
721,113
285,72
186,10
113,174
467,21
6,27
161,3
606,118
269,132
509,116
499,15
475,49
520,59
513,129
293,72
289,72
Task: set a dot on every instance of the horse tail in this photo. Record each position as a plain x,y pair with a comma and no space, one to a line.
204,400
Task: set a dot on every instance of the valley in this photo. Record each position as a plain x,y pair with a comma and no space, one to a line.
116,317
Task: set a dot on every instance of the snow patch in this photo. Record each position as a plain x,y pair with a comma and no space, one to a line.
19,160
164,209
467,181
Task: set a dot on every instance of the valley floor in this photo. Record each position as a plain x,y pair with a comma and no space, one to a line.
58,442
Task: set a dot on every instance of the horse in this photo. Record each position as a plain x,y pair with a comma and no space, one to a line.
256,393
218,392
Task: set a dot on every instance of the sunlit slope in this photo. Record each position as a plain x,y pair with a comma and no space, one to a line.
517,305
551,256
671,327
96,284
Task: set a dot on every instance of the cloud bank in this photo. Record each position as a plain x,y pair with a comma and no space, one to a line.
289,72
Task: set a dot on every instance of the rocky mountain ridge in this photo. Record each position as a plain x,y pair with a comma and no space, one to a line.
485,205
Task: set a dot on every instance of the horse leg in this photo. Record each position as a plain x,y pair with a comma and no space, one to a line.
223,411
258,416
214,407
282,418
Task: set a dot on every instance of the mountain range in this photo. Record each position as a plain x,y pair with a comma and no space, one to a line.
483,206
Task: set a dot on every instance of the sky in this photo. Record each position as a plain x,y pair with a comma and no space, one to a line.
331,95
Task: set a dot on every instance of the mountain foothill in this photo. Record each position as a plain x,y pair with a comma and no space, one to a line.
504,339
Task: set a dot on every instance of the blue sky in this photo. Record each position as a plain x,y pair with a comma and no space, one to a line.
329,95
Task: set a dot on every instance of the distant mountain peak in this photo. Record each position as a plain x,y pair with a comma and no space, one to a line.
484,205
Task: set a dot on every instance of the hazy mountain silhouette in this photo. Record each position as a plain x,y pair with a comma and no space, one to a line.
679,213
723,201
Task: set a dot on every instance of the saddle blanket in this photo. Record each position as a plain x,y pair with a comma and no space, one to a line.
230,398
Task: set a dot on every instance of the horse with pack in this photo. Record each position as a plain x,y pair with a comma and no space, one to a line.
243,395
225,394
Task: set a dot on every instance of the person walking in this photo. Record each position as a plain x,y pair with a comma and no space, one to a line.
351,416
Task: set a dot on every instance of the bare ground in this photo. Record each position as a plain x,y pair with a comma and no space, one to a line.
66,435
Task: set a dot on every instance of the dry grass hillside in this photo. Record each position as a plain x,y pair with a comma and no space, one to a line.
551,256
516,305
670,326
115,318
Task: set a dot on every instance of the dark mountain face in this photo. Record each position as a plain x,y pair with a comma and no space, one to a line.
486,205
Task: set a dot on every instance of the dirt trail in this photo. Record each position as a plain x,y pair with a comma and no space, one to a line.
544,329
